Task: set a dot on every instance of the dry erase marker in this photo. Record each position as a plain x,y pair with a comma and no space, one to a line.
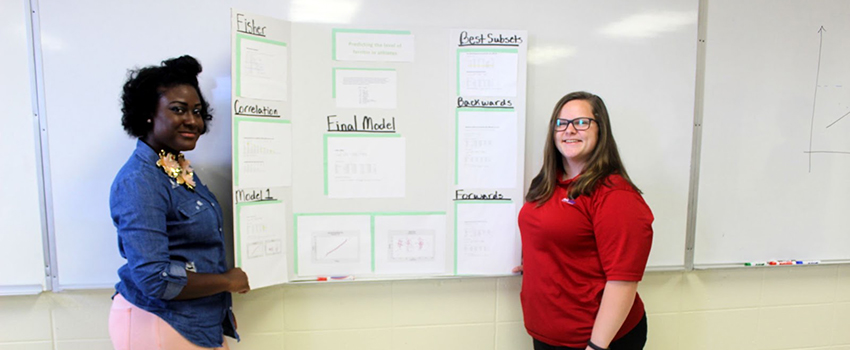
773,263
806,262
335,278
786,262
756,263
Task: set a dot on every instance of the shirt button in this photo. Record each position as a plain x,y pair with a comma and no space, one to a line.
164,274
200,203
219,229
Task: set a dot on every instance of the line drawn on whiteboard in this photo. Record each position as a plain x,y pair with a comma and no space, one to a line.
810,152
335,247
842,117
412,245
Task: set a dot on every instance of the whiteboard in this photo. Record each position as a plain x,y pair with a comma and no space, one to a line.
639,56
21,253
88,46
774,83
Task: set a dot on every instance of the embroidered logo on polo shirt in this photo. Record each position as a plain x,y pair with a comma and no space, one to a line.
568,201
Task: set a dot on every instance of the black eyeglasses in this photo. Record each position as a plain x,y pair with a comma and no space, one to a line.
579,123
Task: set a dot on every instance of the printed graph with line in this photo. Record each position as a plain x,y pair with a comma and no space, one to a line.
830,124
261,228
335,247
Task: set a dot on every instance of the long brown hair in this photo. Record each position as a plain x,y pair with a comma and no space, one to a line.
603,161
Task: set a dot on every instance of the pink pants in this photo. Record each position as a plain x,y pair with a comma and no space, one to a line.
132,328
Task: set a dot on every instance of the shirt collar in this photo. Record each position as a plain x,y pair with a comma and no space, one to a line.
565,182
145,152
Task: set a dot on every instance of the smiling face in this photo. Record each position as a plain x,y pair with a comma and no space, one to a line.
576,146
178,121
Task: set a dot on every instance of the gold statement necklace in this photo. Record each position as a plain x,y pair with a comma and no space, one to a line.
178,168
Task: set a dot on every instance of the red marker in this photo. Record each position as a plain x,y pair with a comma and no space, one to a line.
335,278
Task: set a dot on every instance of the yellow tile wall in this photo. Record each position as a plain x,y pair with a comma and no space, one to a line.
775,308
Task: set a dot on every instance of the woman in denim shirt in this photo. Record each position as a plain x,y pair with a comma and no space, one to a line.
175,288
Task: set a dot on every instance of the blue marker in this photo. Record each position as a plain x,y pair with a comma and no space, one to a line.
806,262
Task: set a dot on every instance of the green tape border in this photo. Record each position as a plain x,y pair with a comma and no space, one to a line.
456,203
372,216
236,121
457,130
238,248
358,135
459,51
335,31
239,38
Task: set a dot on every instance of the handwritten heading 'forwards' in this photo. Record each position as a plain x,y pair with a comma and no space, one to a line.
249,26
463,195
489,39
365,124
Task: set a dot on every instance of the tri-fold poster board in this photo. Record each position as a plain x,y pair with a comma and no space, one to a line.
375,153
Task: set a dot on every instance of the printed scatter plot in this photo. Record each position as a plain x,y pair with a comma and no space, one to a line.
335,247
274,247
412,245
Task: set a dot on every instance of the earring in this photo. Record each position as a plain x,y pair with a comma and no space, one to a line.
149,121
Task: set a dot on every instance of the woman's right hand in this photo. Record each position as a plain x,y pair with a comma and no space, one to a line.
517,269
205,284
238,280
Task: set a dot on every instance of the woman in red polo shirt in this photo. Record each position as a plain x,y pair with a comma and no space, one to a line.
586,235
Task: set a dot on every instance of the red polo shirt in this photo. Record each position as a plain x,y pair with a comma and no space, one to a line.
571,249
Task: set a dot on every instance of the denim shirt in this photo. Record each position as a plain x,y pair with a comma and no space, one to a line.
165,229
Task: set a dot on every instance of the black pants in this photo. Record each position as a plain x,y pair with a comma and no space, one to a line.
635,339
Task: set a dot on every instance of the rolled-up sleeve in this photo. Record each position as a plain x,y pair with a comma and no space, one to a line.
139,210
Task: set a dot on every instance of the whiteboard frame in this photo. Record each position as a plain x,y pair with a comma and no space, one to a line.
696,148
42,150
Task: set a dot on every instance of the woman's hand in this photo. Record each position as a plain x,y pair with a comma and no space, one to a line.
517,269
205,284
238,281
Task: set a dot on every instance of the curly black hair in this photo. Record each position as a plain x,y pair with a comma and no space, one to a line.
144,87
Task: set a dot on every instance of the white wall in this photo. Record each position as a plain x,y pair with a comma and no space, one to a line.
758,308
